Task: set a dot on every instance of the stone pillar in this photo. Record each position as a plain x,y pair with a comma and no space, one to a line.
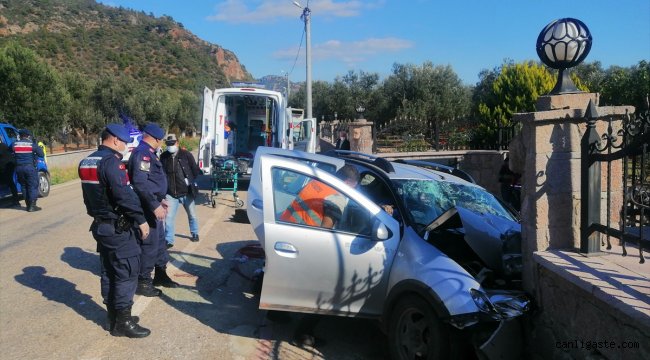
360,136
548,155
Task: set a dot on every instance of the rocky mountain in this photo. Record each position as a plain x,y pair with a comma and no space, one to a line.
279,83
94,39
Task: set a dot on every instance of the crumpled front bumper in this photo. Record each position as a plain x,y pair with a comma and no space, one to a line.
497,334
507,341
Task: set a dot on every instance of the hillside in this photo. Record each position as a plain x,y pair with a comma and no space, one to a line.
279,83
87,37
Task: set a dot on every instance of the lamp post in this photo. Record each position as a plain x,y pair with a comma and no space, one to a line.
562,44
306,17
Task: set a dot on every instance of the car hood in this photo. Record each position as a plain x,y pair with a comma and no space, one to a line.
487,235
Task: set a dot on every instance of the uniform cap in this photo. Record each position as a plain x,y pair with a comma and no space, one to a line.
24,133
119,131
155,131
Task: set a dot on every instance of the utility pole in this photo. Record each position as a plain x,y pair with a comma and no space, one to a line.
306,16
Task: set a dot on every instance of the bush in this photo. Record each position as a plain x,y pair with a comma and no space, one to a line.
190,144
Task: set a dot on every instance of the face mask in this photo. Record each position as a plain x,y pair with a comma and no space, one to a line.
172,149
124,151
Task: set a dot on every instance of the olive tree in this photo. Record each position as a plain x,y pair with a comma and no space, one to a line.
32,93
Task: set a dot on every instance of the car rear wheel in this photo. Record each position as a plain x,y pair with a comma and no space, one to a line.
43,184
415,332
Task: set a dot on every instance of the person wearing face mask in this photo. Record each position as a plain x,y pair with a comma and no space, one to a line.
342,143
182,171
118,222
150,183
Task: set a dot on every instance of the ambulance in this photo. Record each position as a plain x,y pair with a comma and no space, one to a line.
236,121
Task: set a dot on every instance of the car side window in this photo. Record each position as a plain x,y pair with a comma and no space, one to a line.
305,200
11,134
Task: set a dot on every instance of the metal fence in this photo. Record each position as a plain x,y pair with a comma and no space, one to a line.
391,139
627,147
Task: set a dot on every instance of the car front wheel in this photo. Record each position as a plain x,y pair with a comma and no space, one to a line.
415,332
43,184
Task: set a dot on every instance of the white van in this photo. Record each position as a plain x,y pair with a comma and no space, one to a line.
236,121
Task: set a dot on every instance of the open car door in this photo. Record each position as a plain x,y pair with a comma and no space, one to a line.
341,270
305,136
220,118
206,144
254,198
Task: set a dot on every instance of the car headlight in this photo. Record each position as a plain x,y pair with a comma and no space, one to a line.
484,304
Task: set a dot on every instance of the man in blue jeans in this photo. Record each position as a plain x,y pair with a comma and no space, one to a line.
181,170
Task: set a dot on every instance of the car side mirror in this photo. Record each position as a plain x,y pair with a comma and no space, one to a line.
380,231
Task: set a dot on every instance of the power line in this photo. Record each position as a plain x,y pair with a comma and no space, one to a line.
298,53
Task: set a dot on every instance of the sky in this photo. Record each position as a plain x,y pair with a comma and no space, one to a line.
372,35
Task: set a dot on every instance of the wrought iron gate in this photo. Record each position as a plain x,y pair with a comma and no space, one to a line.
629,144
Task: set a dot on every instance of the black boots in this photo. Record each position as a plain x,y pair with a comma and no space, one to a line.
195,238
110,319
126,326
161,278
145,288
31,207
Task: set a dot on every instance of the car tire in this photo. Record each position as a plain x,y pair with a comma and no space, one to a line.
43,184
416,332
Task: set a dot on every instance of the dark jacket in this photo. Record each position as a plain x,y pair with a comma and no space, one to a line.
26,152
177,167
148,179
107,194
106,189
342,145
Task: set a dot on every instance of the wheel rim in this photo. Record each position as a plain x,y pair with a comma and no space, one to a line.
414,335
43,183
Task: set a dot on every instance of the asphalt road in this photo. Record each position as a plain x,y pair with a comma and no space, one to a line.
51,308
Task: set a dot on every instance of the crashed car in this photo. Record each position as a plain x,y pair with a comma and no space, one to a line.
444,267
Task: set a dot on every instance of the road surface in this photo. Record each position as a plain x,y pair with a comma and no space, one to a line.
51,308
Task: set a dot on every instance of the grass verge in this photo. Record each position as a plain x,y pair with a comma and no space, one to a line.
61,175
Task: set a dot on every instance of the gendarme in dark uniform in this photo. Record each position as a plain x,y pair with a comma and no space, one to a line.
150,183
26,152
116,213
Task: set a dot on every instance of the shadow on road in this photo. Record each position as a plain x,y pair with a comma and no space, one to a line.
81,260
62,291
222,298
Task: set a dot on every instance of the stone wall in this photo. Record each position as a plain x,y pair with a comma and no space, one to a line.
551,164
586,312
484,167
68,159
580,299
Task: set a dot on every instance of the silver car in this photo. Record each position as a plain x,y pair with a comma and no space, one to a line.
446,263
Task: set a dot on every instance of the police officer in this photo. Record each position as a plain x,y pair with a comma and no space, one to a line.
150,183
26,153
118,222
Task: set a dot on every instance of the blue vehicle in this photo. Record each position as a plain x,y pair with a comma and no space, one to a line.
9,134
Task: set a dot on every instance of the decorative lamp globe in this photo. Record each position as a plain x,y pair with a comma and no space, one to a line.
360,110
562,44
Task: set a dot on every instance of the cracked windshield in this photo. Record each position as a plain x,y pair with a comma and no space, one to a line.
426,200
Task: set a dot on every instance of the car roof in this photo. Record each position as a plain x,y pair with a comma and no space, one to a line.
396,170
406,171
